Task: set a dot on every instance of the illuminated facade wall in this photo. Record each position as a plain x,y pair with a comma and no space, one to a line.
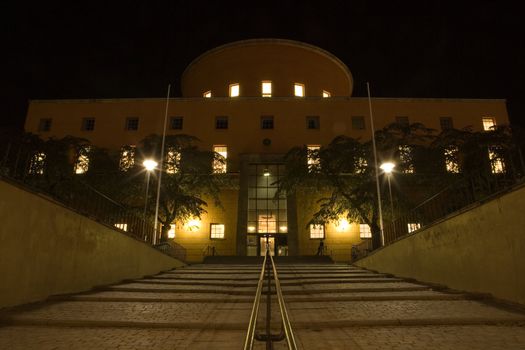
257,130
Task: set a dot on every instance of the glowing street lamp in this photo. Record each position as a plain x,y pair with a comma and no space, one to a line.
388,167
149,165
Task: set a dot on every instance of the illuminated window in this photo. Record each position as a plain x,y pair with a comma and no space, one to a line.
132,124
316,231
44,124
176,123
358,122
207,94
82,162
266,89
267,223
123,227
88,124
497,164
221,122
312,157
412,226
217,231
405,157
298,90
364,231
403,121
446,123
218,166
267,122
172,160
234,90
488,123
313,123
451,159
37,163
360,165
127,158
171,232
326,94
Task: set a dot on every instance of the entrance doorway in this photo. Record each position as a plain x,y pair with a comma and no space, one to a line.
271,243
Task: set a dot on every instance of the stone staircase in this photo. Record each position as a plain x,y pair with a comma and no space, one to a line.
208,306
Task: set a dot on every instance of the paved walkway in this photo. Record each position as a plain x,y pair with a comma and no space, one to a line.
208,307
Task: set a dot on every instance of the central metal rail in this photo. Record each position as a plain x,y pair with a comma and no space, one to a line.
286,332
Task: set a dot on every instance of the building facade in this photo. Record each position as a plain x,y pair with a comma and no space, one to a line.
252,101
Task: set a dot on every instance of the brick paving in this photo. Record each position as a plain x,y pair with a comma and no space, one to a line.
208,307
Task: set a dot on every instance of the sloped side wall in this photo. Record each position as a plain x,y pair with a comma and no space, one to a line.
47,249
479,250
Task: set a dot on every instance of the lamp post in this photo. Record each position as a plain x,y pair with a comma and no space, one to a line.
387,168
149,165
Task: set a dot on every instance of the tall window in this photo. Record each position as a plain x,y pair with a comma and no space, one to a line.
326,94
497,164
360,164
298,89
37,163
234,90
446,123
267,122
316,231
402,120
358,122
266,89
127,157
405,157
172,160
176,123
364,231
221,122
207,94
451,159
413,226
313,122
132,124
218,166
217,231
171,231
82,162
88,124
488,123
44,124
266,210
312,158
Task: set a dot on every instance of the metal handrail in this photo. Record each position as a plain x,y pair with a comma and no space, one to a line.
290,339
250,334
286,328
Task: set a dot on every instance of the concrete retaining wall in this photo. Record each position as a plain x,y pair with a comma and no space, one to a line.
47,249
479,250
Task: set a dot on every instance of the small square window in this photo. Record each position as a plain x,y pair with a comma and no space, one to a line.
207,94
402,120
413,226
44,124
298,90
132,123
488,123
316,231
446,123
217,231
326,94
364,231
88,124
176,123
313,122
234,90
267,122
358,123
221,122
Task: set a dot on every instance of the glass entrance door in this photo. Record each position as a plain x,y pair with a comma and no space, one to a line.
271,243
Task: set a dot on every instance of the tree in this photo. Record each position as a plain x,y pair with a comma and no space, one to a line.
187,179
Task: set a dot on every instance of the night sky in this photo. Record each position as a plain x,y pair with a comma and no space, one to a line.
136,49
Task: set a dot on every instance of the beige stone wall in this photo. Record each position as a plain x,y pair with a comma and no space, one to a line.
46,249
480,250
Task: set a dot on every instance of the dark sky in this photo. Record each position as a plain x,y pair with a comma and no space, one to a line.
137,48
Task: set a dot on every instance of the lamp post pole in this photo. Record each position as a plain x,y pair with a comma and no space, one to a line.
387,169
149,165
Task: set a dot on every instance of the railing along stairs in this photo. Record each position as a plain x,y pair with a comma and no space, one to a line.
286,331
